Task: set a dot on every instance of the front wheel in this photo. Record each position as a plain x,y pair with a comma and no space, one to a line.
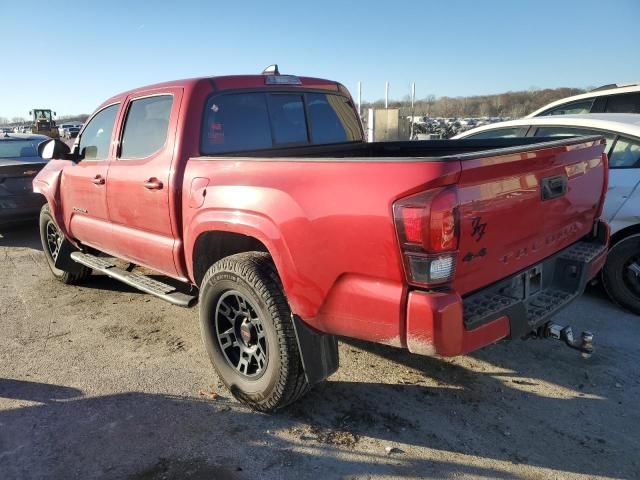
621,273
248,332
52,243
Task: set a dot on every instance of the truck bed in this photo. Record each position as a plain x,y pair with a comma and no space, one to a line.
424,150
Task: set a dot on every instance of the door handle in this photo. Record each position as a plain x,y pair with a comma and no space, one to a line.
153,184
98,180
553,187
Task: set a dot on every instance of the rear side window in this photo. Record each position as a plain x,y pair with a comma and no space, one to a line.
624,103
332,119
260,120
582,106
96,138
559,131
500,133
625,154
145,129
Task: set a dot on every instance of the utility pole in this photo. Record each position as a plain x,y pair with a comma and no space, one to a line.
413,97
386,94
360,99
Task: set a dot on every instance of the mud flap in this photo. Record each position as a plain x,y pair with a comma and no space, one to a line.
64,261
318,351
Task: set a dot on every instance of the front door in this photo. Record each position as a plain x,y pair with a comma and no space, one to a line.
83,187
139,182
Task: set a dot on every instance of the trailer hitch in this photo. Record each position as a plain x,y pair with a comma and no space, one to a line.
565,334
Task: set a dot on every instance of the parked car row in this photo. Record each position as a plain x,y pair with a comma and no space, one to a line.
69,130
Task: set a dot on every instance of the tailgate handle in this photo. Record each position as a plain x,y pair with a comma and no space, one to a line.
553,187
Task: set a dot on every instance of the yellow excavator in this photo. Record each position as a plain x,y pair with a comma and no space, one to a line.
43,122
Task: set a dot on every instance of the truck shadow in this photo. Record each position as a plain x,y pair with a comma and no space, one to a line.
25,235
504,404
149,436
535,404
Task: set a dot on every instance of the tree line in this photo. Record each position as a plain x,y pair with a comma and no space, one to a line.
509,104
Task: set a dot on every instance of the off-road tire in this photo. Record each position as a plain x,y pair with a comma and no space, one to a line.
613,273
253,274
78,273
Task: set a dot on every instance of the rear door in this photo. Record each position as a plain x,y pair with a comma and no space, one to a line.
83,187
517,209
138,184
621,207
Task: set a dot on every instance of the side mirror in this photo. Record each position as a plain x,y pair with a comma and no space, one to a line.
90,152
53,149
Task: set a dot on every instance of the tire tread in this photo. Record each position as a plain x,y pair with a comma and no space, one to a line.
258,270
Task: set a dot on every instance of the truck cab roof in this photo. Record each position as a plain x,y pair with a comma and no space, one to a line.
238,82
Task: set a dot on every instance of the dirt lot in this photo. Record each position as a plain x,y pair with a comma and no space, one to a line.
102,381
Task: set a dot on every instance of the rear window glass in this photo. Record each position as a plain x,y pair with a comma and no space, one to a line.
626,103
18,148
500,133
332,119
288,119
261,120
236,122
583,106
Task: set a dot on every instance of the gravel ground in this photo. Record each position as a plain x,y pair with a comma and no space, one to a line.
101,381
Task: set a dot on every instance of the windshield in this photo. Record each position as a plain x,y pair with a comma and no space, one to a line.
42,115
18,148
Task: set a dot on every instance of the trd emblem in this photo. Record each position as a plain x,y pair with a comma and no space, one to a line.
478,228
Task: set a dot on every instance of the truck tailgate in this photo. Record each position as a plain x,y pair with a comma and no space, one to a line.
518,208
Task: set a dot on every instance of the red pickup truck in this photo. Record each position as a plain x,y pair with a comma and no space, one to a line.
259,194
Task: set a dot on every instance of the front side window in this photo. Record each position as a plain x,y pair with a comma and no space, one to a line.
583,106
96,138
145,129
499,133
625,154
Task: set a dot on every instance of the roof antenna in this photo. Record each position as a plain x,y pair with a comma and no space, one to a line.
271,70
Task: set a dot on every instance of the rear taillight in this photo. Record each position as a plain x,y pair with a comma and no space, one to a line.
427,226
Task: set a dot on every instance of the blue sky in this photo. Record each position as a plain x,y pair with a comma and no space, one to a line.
71,56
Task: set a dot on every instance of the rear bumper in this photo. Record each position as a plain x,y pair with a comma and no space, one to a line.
447,324
20,207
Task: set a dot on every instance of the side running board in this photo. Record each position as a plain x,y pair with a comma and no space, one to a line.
136,280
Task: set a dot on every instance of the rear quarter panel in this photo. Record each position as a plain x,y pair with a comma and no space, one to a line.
328,226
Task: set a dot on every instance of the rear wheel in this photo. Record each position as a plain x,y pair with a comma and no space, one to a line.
248,332
52,243
621,273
